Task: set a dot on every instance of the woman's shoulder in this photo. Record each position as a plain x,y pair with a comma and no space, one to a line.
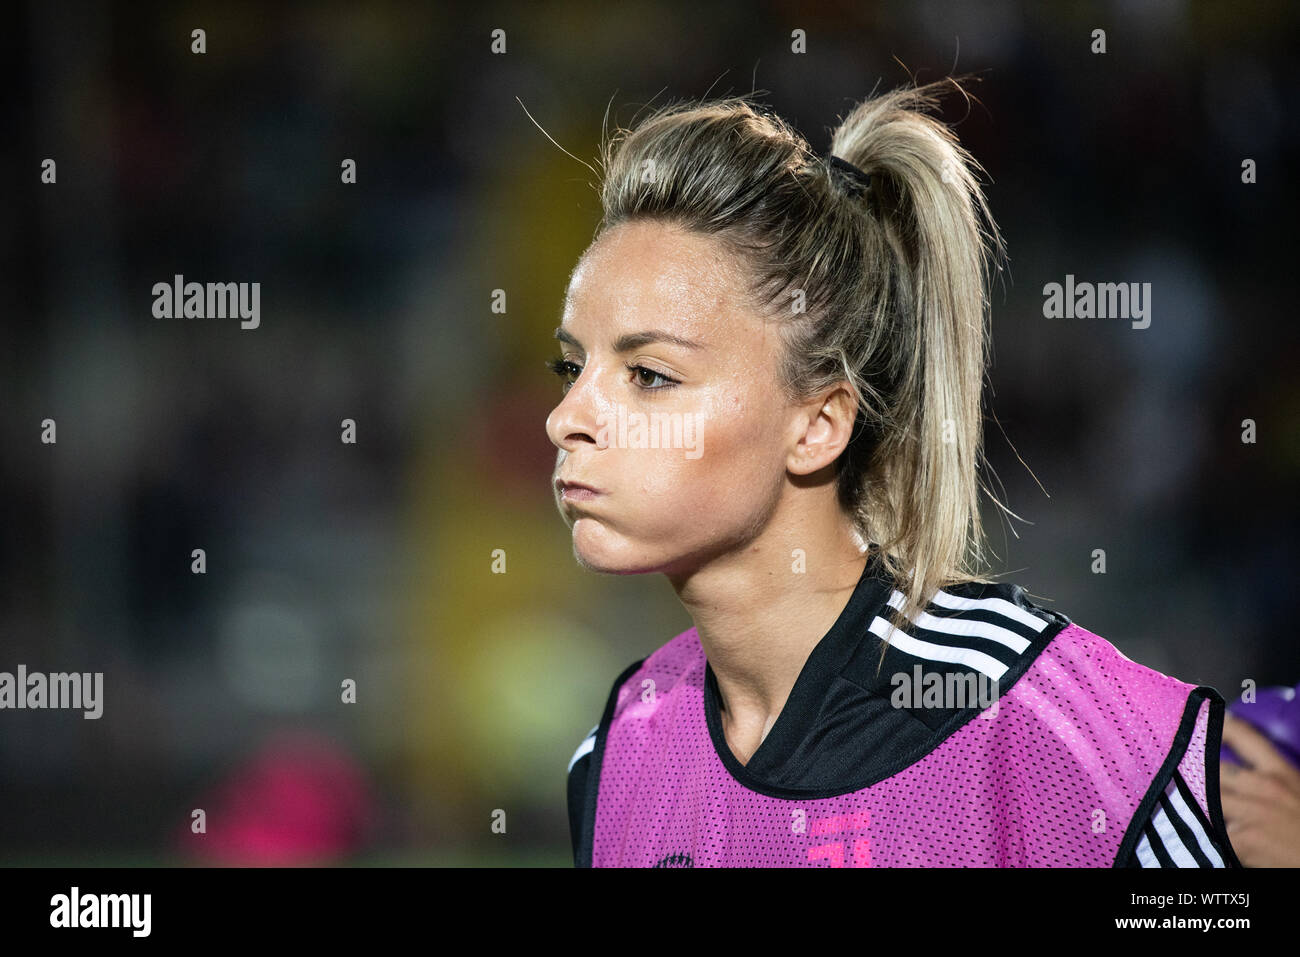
1009,600
1081,683
1065,666
1064,640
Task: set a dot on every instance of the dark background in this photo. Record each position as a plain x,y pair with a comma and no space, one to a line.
372,561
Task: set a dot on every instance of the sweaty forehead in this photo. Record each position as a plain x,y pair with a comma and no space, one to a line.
651,275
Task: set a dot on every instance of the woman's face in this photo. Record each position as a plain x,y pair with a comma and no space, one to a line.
673,413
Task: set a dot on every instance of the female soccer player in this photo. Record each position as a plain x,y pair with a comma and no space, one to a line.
772,365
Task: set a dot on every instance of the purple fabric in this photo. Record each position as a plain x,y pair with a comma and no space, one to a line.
1275,713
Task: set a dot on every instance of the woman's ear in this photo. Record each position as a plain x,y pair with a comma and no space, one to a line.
823,426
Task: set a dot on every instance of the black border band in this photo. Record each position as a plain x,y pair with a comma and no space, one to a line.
1213,738
588,834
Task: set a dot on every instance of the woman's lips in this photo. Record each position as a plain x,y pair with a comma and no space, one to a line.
576,491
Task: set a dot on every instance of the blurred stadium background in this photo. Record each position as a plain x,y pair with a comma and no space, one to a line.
372,561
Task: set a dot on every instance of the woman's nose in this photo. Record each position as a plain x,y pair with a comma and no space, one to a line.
570,422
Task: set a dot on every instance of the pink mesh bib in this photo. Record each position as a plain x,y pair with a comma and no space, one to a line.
1054,776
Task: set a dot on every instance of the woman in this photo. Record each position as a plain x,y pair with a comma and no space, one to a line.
772,365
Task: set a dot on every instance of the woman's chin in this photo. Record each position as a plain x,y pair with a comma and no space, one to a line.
608,565
597,554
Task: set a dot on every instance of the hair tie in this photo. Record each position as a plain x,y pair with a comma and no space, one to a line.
860,181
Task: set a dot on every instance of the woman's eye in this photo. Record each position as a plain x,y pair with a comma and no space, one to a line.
566,370
646,378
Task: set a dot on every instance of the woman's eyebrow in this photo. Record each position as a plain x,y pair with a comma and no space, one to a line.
632,340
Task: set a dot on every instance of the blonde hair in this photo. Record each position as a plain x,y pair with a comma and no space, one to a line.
884,289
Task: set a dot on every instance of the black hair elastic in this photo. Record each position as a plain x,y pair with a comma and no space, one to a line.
860,181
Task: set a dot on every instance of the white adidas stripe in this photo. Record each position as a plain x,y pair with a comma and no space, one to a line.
1001,606
1174,846
1169,838
964,627
1146,857
923,649
1185,813
588,743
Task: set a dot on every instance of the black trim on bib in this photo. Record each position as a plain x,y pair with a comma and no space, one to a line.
1126,855
582,856
1213,798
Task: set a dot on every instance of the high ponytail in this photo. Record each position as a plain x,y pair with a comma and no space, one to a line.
884,288
939,240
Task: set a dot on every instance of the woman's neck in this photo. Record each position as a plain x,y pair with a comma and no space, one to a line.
759,612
